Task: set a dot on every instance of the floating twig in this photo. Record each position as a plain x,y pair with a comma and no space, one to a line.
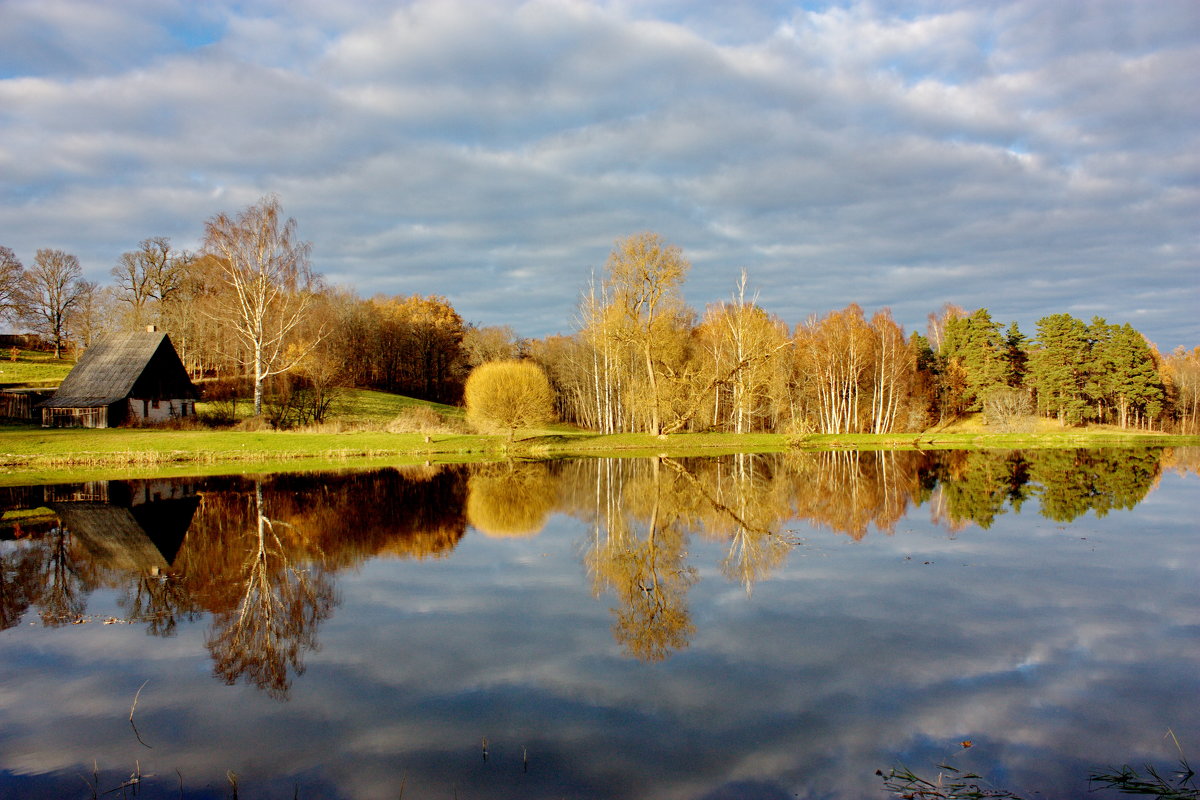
133,708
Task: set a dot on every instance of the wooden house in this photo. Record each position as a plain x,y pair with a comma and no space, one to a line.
133,378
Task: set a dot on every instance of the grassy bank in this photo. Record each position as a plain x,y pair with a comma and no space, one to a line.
375,429
34,454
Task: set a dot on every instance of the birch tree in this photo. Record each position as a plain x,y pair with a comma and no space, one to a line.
271,285
645,276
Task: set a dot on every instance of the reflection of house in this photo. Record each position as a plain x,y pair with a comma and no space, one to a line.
128,528
130,377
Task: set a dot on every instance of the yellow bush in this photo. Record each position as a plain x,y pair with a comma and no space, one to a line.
506,395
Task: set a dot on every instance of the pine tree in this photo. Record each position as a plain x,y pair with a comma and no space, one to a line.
973,360
1126,376
1058,367
1016,352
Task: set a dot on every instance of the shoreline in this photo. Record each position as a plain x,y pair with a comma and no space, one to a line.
40,455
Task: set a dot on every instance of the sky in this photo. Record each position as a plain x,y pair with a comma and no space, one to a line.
1029,157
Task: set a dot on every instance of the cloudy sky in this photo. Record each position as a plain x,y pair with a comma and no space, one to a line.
1030,157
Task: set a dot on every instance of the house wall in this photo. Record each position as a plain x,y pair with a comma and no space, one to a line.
144,411
16,406
75,417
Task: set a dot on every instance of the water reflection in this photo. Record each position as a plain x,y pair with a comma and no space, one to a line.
512,499
259,556
743,626
282,602
640,522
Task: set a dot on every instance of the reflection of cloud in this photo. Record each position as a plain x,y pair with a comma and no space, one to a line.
1055,653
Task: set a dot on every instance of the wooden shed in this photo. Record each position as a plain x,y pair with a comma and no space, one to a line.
124,378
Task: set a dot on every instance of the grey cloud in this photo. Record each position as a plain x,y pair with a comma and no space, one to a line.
858,153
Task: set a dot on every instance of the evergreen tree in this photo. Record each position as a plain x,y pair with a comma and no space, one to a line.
1058,367
973,359
1016,351
1125,378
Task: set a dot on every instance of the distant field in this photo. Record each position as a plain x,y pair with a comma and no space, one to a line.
33,367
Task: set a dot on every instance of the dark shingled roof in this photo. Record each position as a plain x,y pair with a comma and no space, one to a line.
142,364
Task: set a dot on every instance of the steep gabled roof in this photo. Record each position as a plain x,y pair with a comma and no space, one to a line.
112,368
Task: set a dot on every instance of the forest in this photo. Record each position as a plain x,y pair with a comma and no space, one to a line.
251,318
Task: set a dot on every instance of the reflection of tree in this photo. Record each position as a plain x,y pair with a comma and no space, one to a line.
1076,481
1182,459
63,598
647,573
159,601
409,512
510,499
850,490
744,505
20,584
977,485
264,637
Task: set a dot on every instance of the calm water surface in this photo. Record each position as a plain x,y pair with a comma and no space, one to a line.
740,627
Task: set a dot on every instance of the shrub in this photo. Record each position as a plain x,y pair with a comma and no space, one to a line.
506,395
1008,410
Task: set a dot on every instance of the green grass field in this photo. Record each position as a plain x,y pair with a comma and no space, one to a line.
375,428
33,368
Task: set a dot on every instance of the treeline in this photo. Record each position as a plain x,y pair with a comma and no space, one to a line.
248,308
644,361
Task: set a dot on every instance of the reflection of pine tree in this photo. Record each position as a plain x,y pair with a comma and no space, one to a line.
1073,482
977,486
275,621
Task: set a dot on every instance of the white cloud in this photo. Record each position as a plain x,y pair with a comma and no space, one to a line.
471,142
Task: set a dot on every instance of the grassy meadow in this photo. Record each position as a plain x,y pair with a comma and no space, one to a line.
370,428
33,368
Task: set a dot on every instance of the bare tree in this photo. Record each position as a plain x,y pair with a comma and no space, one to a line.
11,271
482,344
53,286
93,315
153,272
271,285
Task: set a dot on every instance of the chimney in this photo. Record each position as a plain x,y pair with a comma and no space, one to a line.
151,329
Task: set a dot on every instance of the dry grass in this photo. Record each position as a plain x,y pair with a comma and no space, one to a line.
424,420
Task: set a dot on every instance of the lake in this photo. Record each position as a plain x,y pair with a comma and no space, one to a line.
735,627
